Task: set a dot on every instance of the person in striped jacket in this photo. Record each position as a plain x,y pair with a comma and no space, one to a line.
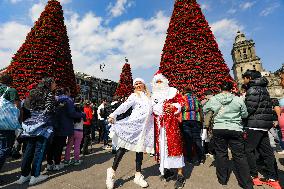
192,126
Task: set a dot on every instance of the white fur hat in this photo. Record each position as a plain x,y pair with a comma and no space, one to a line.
159,76
139,79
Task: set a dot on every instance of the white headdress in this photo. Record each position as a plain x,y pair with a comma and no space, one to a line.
138,79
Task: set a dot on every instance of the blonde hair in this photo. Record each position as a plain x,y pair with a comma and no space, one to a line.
147,92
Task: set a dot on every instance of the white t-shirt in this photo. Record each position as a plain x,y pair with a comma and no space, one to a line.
102,106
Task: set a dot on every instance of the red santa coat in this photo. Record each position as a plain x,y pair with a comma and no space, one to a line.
171,124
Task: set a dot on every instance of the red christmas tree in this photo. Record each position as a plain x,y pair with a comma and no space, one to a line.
125,85
45,52
191,55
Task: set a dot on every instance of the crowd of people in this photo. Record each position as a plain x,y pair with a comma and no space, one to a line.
177,128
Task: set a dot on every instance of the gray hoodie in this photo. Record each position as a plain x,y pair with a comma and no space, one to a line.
228,111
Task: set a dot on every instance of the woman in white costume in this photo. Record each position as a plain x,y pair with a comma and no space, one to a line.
134,133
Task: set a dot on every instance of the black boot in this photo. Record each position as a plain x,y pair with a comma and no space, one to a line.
180,182
169,175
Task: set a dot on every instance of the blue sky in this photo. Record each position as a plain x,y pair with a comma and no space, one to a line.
105,31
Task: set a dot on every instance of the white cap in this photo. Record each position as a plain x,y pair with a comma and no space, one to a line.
159,76
138,79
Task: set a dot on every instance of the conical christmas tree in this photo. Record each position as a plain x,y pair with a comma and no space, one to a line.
191,55
125,85
45,52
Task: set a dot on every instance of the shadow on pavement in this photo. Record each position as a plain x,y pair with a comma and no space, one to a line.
88,161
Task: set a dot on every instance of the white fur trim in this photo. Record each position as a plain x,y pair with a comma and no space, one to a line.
172,93
119,142
138,79
160,77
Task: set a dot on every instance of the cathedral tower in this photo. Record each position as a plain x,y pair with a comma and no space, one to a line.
244,57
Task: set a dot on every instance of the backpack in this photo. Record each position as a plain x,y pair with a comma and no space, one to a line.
9,114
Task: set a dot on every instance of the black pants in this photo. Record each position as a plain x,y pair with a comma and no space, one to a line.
259,141
54,151
234,139
93,130
101,125
3,149
86,137
192,135
119,154
33,156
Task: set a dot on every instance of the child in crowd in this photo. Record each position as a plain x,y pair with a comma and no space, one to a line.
76,139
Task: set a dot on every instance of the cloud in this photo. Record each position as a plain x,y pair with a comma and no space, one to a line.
270,9
15,1
205,7
92,42
119,7
12,35
64,1
232,11
140,40
225,30
36,10
247,5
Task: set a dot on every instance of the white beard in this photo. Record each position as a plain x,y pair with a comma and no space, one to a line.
160,91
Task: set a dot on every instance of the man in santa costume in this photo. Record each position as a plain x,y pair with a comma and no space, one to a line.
167,103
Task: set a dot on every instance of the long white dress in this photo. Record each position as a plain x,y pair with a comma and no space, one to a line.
166,161
136,132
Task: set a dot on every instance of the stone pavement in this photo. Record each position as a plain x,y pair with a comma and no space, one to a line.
92,172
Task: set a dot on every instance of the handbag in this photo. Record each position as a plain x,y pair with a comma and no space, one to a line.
9,114
209,121
32,124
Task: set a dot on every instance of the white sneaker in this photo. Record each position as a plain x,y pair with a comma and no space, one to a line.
49,167
139,180
23,179
107,147
58,167
35,180
110,178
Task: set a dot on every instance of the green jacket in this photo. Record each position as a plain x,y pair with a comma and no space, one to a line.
228,111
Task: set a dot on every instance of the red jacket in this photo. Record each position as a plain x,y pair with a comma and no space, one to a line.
89,115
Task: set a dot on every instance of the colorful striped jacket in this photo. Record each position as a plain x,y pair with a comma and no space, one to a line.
192,109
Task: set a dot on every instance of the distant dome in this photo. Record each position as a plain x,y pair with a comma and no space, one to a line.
240,37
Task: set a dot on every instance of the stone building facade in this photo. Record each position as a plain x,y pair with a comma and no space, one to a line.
93,88
244,58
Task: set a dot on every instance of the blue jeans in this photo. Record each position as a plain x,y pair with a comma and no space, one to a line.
33,157
281,143
192,136
3,150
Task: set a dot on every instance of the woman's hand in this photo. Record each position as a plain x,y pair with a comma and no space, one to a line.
111,120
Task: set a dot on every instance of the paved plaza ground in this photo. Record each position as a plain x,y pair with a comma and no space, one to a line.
91,174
